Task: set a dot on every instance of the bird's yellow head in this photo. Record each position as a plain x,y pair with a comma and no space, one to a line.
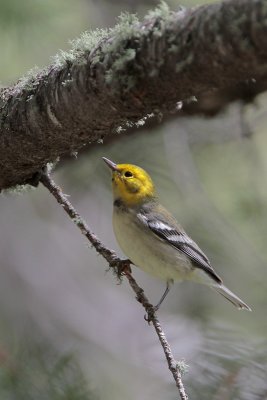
131,184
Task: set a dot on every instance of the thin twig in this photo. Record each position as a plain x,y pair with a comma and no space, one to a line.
115,262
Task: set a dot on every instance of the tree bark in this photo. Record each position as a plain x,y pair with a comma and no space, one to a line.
133,70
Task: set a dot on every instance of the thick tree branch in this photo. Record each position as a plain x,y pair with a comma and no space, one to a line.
126,73
116,263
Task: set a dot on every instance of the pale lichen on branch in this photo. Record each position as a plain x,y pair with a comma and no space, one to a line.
114,78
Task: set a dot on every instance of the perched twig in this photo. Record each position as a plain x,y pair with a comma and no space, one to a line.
115,262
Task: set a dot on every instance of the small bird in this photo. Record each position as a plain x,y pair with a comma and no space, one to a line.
152,238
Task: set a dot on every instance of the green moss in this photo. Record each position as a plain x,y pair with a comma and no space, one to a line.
126,27
160,12
80,48
180,66
125,32
88,40
63,57
182,367
116,48
119,65
29,81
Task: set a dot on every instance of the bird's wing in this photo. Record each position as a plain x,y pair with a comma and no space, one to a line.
173,234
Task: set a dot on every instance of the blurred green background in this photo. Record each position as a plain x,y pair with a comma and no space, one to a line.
67,331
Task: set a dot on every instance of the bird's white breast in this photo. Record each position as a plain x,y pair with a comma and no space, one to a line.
146,250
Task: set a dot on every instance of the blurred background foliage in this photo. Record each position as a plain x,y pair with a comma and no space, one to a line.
55,296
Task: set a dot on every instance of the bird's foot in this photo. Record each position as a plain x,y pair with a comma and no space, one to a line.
122,267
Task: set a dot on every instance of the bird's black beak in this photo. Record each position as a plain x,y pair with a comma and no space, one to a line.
110,164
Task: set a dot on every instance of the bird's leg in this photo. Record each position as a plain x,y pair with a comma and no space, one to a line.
152,310
168,286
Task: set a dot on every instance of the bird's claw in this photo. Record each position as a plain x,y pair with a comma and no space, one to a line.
123,267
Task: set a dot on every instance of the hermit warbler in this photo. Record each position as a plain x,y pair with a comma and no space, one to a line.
151,237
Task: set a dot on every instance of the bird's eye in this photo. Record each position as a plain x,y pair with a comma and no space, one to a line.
128,174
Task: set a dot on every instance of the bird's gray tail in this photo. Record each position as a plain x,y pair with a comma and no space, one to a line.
236,301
